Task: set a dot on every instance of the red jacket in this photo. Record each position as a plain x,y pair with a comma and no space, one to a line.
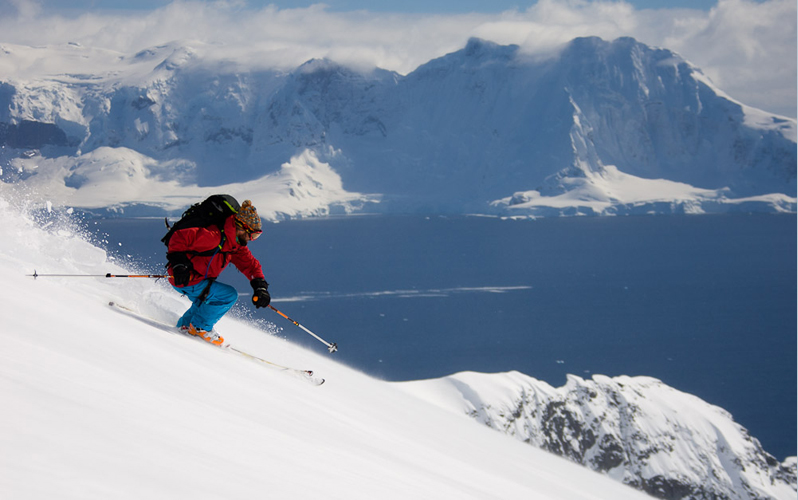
193,240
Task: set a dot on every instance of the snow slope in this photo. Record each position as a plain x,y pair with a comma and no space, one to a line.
100,405
612,192
635,429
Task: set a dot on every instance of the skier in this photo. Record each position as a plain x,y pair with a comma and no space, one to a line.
197,255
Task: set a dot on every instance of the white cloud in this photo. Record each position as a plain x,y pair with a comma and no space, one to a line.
747,47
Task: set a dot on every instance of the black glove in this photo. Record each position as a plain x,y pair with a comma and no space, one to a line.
181,268
260,294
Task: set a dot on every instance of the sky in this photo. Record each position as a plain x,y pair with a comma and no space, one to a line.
406,6
747,47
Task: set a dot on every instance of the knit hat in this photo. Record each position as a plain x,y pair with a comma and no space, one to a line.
248,216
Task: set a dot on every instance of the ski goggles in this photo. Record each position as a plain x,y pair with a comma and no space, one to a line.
253,234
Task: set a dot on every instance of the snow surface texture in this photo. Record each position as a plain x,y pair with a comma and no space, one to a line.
602,128
635,429
100,405
105,406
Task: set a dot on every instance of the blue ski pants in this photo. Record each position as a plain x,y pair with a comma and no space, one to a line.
205,314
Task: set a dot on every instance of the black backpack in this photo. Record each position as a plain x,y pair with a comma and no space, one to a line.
212,211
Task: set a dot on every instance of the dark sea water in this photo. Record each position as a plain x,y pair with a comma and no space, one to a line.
707,303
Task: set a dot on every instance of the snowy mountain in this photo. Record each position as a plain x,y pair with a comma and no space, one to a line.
98,404
635,429
102,404
602,128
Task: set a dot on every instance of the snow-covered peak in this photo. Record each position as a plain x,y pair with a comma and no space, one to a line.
637,430
319,65
462,133
177,59
478,51
477,55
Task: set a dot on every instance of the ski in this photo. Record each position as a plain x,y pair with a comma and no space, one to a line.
303,374
306,375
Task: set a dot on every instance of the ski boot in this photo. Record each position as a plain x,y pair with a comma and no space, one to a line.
212,337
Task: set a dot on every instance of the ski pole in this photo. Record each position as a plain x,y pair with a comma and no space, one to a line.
107,275
330,347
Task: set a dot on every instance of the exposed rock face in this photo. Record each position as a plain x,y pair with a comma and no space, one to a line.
638,430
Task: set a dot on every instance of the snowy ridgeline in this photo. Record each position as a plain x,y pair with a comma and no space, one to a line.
602,128
635,429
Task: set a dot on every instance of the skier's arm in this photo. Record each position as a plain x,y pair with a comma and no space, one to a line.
245,262
251,268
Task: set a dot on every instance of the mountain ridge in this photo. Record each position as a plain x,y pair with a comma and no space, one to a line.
637,430
475,130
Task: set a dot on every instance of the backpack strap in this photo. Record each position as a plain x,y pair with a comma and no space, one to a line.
212,251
